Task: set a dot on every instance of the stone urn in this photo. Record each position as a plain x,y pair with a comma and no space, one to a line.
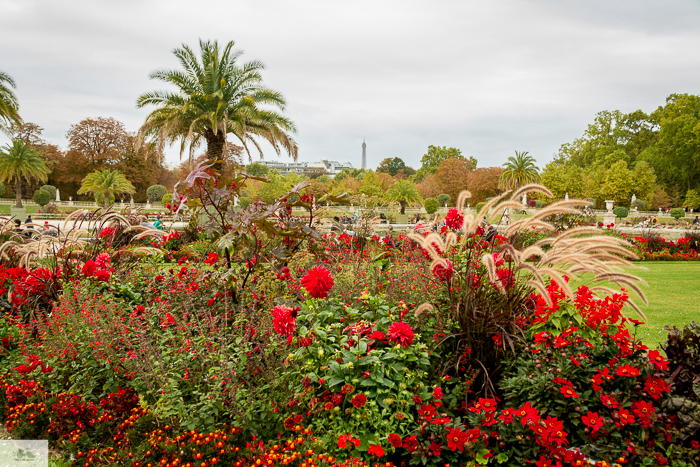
609,217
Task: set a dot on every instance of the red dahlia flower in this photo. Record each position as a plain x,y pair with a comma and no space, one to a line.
376,450
401,333
90,268
284,320
456,439
317,282
359,400
454,219
102,275
395,440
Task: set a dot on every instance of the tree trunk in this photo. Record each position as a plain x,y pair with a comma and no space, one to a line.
18,191
106,200
215,146
403,208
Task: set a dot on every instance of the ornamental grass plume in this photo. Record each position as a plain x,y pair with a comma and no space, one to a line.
490,283
317,282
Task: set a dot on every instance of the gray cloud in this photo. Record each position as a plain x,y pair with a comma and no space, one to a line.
486,77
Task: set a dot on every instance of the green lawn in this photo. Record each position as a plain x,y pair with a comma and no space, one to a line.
673,294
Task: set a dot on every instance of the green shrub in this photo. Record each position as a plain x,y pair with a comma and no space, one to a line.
51,190
431,205
443,199
621,212
2,189
244,202
41,197
592,201
677,213
639,204
538,204
168,197
479,206
155,193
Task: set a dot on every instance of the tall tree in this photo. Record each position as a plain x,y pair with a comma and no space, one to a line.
482,183
392,166
8,103
216,97
519,171
452,176
405,193
101,141
562,179
108,183
430,162
21,161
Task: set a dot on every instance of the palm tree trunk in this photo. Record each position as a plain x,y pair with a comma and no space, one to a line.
18,191
403,208
215,146
106,200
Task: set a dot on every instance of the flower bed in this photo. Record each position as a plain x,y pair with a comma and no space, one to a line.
280,346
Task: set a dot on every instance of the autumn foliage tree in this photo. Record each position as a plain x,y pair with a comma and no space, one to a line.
482,183
452,175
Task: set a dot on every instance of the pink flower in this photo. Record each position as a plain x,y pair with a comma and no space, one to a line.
103,260
401,333
284,320
317,282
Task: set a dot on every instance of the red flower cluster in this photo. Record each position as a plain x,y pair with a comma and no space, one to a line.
317,282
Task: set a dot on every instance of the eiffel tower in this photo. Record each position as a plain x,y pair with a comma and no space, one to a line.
364,154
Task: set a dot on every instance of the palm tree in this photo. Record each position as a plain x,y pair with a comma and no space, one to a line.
405,193
519,171
8,102
21,161
216,97
107,182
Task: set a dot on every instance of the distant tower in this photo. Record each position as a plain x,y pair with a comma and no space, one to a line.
364,154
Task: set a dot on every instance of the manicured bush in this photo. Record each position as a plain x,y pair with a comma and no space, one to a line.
443,199
677,213
41,197
51,190
639,204
621,212
167,198
155,193
539,204
479,206
431,205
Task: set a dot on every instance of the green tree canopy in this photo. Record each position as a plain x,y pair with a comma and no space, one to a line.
430,162
21,161
216,97
108,183
51,190
405,193
41,197
443,199
392,166
563,179
257,169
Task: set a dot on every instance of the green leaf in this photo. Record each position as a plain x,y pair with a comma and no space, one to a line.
335,381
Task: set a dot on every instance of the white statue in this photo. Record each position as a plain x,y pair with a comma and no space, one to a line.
566,197
525,199
634,198
58,195
131,203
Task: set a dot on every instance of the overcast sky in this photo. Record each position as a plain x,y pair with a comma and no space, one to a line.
487,77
